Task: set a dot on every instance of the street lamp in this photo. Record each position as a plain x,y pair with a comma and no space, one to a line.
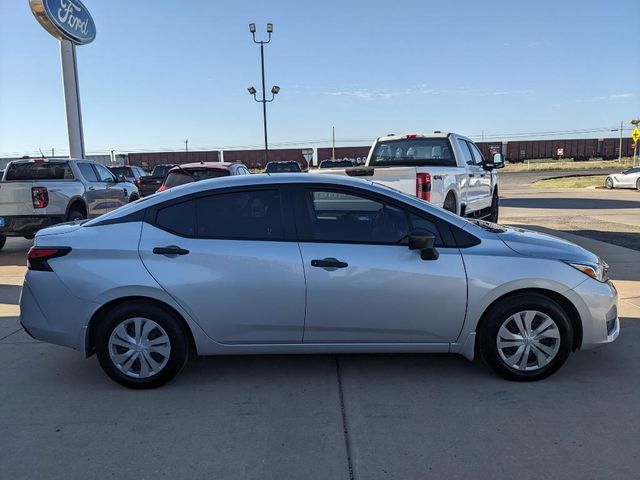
274,90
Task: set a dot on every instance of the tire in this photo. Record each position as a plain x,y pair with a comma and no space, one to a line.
450,203
638,184
608,183
3,240
500,326
495,209
133,198
74,215
132,363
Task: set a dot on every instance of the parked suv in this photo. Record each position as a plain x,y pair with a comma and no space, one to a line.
193,172
39,193
130,172
149,184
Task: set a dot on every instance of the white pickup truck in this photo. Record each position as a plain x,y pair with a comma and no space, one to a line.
41,192
445,169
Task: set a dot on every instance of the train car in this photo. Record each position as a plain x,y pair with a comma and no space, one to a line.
148,160
255,158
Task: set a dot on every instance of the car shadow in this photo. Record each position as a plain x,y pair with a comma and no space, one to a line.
568,203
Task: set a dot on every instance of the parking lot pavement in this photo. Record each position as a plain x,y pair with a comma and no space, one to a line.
378,416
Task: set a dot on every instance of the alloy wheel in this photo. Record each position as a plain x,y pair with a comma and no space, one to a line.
139,347
528,340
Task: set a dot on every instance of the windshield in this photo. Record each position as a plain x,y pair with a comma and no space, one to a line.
336,164
434,152
39,171
161,170
181,177
282,167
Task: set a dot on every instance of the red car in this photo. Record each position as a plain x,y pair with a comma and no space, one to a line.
193,172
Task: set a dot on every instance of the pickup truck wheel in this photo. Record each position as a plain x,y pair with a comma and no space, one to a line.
74,215
450,203
495,208
3,240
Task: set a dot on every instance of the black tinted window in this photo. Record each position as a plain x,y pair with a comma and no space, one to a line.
249,215
88,172
42,170
342,217
179,218
413,152
282,167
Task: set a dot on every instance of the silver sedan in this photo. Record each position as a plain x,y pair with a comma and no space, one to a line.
280,264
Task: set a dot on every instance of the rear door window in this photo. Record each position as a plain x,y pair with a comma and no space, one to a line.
87,171
39,171
242,215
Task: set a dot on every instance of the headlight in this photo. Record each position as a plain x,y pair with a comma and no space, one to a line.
598,271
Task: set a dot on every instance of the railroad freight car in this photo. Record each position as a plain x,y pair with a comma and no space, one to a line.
151,159
255,158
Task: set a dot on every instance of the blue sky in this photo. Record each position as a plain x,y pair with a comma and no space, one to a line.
162,71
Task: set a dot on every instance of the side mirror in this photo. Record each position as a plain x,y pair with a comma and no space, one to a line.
496,162
424,243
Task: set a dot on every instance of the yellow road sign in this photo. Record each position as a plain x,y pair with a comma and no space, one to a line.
635,134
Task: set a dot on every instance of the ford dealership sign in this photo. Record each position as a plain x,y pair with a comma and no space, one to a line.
65,19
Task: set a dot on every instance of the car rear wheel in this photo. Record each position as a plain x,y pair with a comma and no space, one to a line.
75,215
525,337
140,345
608,183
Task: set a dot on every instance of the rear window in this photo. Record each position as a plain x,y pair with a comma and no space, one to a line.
39,171
181,177
336,164
414,152
126,171
283,167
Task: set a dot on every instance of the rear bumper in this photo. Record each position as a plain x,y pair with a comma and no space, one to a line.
20,225
56,316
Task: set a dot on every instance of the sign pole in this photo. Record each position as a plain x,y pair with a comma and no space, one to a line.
72,98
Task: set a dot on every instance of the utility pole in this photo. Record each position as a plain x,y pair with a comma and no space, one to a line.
52,152
620,152
333,144
186,146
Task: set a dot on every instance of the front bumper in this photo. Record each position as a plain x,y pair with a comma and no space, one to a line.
597,304
20,225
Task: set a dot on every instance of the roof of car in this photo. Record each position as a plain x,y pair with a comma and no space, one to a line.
214,165
258,180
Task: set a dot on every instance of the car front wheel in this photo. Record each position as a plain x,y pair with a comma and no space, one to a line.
525,337
608,183
140,345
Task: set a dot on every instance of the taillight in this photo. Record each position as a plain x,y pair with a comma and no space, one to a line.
40,197
38,257
423,186
137,183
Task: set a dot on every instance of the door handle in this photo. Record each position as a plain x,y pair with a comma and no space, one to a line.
329,263
471,175
91,189
170,250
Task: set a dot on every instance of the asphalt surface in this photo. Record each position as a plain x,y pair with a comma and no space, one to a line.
326,416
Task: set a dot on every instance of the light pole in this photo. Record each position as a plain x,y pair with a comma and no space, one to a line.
274,90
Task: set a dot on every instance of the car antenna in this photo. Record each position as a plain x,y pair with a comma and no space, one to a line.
42,154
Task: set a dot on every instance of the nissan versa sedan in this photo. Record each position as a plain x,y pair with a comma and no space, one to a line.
257,264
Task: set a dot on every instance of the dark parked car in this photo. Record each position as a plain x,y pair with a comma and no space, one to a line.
130,172
336,164
193,172
282,167
151,183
